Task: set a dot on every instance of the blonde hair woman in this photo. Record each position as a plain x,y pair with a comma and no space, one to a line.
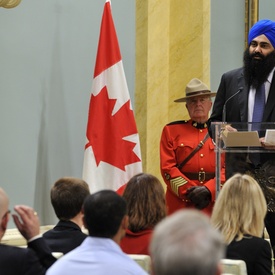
239,214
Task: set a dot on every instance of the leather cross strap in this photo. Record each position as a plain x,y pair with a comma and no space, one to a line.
179,166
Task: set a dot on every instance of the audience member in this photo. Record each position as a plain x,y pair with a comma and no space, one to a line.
239,214
145,199
67,197
15,260
105,217
186,243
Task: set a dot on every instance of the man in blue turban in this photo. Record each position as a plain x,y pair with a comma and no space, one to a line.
242,89
265,27
259,58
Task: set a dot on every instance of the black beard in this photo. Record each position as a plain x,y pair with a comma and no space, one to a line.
256,71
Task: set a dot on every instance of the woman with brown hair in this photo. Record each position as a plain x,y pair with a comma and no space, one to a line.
145,199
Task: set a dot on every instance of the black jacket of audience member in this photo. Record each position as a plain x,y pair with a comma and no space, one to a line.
34,260
254,251
64,237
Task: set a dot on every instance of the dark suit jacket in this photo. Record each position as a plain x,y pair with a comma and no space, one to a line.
237,106
237,111
256,253
64,237
34,260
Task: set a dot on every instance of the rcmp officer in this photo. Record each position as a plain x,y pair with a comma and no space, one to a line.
187,157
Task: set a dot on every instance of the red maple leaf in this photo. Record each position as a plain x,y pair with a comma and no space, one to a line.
105,131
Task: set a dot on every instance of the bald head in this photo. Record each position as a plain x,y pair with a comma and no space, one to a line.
4,207
4,202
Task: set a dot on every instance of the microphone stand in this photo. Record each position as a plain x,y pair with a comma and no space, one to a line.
224,106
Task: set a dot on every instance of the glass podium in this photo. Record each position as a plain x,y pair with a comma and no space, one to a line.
248,138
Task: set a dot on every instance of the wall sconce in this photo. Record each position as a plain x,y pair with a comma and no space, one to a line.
8,4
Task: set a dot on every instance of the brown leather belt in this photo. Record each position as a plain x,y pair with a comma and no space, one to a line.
200,176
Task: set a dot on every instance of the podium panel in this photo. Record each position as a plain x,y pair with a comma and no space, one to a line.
247,151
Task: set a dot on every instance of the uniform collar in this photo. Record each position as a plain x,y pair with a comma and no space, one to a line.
199,125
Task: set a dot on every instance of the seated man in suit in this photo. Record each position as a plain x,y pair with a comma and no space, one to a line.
67,197
105,216
15,260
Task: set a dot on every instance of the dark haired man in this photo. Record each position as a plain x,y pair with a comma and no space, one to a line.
67,197
105,217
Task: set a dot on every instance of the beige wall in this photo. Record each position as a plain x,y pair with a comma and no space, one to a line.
172,47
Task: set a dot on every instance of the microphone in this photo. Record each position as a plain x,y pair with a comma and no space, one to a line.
224,105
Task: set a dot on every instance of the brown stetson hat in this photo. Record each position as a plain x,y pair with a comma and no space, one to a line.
194,88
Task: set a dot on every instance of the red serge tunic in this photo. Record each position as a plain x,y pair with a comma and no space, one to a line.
178,140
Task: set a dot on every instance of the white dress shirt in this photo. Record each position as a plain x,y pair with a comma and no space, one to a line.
100,256
252,92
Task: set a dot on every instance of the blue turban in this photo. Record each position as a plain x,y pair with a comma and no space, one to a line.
266,27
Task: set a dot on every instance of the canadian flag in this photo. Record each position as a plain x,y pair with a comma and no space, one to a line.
112,151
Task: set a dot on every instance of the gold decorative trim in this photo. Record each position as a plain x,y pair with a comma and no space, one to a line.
251,16
176,183
8,4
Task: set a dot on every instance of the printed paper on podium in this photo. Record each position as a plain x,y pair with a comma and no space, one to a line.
269,137
241,139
